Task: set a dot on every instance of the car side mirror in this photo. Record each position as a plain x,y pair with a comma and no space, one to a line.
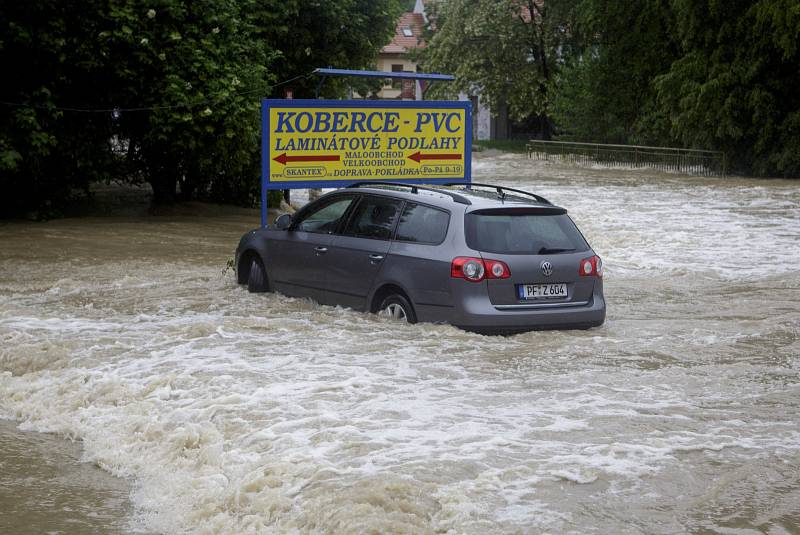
283,222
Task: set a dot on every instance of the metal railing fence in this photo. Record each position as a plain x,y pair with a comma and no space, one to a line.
689,161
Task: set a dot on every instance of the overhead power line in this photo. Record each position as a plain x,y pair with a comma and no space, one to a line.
146,108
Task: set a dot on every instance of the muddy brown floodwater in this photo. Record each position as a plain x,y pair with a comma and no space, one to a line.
227,412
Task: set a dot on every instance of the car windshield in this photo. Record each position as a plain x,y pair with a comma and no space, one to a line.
523,232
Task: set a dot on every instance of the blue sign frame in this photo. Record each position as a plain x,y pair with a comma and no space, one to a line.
267,104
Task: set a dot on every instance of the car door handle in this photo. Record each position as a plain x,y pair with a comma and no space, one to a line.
321,250
376,257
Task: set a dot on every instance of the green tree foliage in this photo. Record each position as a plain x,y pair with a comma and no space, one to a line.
735,86
343,34
47,62
187,78
202,67
508,50
604,93
699,74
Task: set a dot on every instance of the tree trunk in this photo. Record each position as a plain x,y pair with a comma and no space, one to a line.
164,182
547,127
537,28
189,181
547,130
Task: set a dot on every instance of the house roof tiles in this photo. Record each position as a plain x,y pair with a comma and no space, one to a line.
402,43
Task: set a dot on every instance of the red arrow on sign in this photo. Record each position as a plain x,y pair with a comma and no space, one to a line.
311,158
417,156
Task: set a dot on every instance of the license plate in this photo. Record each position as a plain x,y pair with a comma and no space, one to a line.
538,291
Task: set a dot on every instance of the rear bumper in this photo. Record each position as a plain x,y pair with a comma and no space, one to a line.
476,313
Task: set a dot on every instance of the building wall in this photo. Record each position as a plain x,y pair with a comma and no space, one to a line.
482,120
483,123
385,62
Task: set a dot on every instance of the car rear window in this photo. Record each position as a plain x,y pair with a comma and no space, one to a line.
422,224
523,232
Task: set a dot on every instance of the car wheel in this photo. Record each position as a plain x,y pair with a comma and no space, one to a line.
397,307
257,280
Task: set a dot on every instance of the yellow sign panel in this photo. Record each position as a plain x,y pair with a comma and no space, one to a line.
314,143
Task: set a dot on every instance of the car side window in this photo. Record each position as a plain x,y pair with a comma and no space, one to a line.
422,224
326,218
374,217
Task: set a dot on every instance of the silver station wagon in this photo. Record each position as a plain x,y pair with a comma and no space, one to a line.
481,257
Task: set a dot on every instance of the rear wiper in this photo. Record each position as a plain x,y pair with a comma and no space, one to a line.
548,250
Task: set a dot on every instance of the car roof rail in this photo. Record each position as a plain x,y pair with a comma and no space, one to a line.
500,190
414,189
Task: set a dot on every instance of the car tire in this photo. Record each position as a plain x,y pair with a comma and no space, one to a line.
399,308
257,279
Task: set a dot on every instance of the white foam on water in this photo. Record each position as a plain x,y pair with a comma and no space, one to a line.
242,413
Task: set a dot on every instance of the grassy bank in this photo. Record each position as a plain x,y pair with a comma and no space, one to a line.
505,145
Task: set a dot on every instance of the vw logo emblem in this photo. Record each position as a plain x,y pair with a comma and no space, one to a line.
547,268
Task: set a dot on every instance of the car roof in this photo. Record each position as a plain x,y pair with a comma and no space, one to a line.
448,196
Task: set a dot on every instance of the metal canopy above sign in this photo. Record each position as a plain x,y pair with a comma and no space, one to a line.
385,74
333,143
430,78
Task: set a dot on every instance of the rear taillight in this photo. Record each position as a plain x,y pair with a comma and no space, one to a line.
496,269
591,267
465,267
478,269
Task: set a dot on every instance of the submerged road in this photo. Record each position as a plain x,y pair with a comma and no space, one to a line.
239,413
